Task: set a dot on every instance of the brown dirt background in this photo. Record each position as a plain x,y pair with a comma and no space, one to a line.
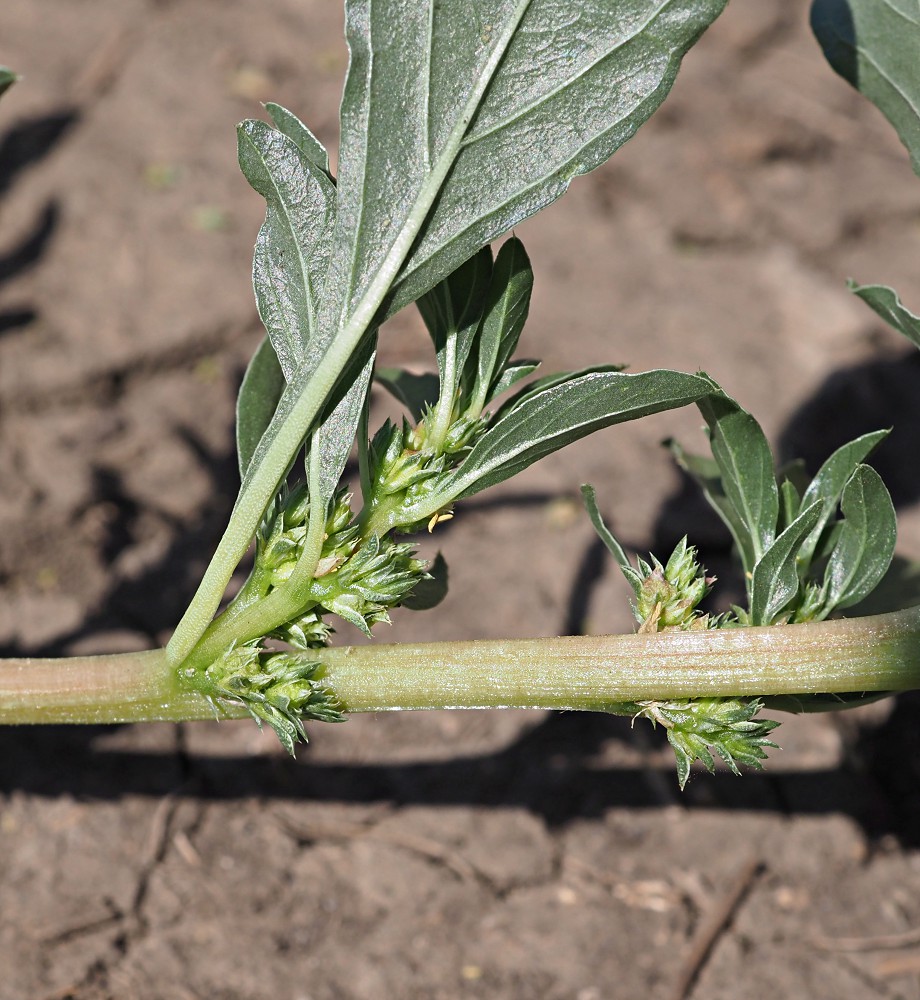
493,855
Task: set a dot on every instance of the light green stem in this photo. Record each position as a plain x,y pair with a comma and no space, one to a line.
125,687
881,653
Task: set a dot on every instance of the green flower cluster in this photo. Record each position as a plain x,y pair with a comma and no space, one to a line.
725,725
667,596
357,577
281,689
405,468
281,538
378,575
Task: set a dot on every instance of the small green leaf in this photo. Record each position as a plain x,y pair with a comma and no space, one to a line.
899,588
746,467
866,541
775,579
790,503
258,398
513,374
416,392
553,417
886,303
452,311
828,485
607,537
874,45
7,79
503,320
705,472
288,123
428,593
292,250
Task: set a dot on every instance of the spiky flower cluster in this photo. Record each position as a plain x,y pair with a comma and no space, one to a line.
281,689
461,434
403,471
726,726
667,596
306,631
666,600
378,575
357,578
279,544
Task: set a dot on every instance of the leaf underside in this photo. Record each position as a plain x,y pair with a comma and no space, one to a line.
885,302
875,46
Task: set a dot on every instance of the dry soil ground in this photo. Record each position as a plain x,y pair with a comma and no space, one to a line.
517,855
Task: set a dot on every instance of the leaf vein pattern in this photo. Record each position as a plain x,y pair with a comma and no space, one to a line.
549,95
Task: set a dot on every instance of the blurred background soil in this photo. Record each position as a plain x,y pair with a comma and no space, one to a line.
489,855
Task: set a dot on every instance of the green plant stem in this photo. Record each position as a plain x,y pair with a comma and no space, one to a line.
880,653
124,687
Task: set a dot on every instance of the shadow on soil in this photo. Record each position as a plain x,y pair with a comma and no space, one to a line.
549,771
24,144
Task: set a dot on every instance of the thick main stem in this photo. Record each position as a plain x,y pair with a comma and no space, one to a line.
881,653
124,687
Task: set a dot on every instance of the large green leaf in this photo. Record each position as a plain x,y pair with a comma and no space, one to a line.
866,540
461,119
875,45
563,413
886,303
